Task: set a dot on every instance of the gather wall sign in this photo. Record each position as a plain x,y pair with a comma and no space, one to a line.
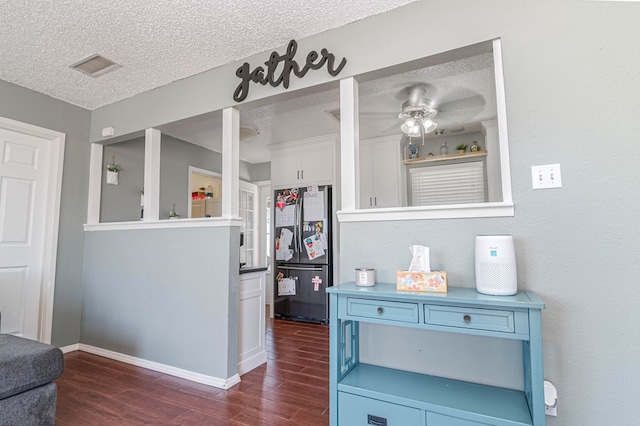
314,61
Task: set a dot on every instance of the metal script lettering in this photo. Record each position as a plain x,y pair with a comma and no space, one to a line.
314,61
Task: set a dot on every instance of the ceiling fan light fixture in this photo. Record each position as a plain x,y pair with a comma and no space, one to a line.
429,125
410,126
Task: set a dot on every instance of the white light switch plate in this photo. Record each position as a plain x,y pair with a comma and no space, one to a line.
545,177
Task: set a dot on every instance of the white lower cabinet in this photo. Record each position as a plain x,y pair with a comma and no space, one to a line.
251,321
381,173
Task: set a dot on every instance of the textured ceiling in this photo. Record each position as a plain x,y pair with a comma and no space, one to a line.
156,42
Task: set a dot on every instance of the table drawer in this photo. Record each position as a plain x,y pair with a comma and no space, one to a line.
355,410
383,310
470,318
436,419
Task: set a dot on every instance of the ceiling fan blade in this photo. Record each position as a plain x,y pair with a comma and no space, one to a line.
462,106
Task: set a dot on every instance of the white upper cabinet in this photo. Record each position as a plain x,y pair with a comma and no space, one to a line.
304,162
381,173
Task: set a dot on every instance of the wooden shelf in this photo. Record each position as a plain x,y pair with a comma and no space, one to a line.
434,394
455,156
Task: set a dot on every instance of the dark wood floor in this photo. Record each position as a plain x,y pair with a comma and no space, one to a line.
291,389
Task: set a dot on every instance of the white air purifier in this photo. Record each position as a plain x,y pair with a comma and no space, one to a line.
496,265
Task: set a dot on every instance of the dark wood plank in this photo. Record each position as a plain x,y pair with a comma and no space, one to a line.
291,389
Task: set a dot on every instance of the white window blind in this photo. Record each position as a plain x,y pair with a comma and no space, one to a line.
459,183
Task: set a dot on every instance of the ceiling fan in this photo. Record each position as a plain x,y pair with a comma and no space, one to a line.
425,108
417,113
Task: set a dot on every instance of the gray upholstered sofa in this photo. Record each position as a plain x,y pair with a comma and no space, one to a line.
27,391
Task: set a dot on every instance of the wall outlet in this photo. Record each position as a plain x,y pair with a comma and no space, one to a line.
545,177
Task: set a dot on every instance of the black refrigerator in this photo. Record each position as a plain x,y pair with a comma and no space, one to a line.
303,253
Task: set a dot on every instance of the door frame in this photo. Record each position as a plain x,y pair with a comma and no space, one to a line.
51,220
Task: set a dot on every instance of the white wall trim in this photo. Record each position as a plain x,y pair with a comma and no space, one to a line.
70,348
95,183
249,364
163,368
152,142
302,142
208,222
230,162
349,143
52,218
454,211
503,134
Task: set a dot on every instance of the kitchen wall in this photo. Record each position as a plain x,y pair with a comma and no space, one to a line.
30,107
571,79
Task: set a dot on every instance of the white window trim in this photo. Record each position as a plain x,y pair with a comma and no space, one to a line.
199,222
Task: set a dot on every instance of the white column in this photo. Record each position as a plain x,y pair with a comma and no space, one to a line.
95,184
152,174
492,145
349,144
502,136
230,163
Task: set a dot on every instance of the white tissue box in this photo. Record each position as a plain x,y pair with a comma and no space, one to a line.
435,281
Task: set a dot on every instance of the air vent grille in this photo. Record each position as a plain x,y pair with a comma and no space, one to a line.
95,65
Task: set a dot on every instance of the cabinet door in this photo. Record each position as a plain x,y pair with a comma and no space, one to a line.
318,163
286,165
386,177
380,174
366,176
251,321
303,164
437,419
356,410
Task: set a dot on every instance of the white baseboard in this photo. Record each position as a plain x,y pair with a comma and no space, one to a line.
70,348
251,363
155,366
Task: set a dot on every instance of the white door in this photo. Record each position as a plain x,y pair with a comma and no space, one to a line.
24,188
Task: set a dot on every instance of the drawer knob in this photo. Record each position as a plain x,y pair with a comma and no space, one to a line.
467,318
380,310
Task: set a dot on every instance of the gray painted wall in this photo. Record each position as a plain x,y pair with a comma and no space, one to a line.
27,106
260,172
121,203
164,295
571,76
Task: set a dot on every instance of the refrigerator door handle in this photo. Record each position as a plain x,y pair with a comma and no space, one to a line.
300,219
295,228
300,268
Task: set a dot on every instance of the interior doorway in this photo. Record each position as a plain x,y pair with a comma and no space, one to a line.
30,189
205,193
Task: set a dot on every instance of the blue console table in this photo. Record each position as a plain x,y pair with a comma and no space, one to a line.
362,394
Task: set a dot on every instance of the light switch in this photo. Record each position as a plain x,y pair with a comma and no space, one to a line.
545,177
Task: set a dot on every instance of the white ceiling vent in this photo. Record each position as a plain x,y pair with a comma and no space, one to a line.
95,65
